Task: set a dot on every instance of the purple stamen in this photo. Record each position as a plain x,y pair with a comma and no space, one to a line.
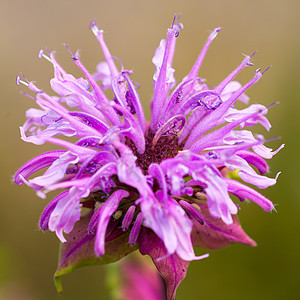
173,21
135,231
128,218
18,80
271,105
64,44
41,53
194,212
24,93
253,54
266,69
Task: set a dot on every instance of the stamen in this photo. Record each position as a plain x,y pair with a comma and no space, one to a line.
25,78
41,54
18,81
274,103
253,54
273,139
201,196
117,215
29,96
134,234
74,57
266,69
193,211
94,27
174,19
128,218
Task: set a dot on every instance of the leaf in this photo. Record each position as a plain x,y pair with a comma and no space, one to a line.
78,251
172,268
215,234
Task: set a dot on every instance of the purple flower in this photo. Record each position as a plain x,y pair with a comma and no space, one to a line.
162,186
139,280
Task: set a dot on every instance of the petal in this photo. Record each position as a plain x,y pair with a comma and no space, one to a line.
104,215
103,74
234,114
57,170
254,160
245,192
210,121
193,73
44,220
37,163
219,203
66,213
247,174
160,87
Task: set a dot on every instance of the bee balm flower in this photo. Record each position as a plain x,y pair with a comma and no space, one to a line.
162,186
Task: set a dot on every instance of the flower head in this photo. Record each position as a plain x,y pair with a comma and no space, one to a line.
164,185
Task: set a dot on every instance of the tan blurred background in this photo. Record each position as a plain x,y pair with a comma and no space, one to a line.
133,30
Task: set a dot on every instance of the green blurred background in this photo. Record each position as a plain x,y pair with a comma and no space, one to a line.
133,30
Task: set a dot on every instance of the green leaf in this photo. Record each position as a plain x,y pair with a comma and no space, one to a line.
78,251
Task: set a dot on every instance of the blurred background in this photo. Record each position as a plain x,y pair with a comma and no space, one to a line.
133,30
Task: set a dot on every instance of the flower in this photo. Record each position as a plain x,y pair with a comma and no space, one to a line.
162,186
138,279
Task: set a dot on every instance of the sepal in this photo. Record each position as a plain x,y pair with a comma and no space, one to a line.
78,251
215,234
171,267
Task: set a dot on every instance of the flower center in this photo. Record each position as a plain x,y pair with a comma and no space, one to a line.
166,147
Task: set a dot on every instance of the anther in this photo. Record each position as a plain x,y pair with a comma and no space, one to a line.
215,33
41,54
94,27
18,81
118,214
200,196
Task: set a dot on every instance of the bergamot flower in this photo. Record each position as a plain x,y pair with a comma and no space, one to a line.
162,186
